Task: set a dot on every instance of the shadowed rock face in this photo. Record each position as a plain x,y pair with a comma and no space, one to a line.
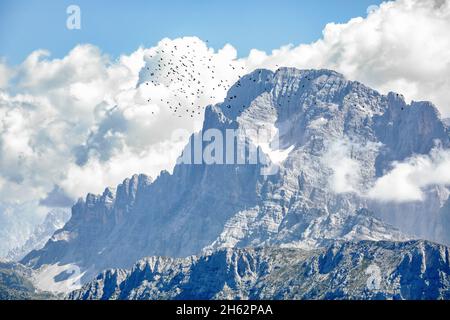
361,270
201,208
54,220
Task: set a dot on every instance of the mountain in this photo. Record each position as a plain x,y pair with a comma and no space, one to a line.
15,284
447,122
365,270
54,220
329,140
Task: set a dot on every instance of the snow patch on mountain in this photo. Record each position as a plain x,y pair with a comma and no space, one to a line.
58,278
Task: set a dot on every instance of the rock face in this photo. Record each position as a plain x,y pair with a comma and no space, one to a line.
364,270
55,220
335,137
15,283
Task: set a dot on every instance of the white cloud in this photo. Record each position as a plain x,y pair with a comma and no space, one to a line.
402,46
344,158
407,180
84,110
346,171
94,175
84,122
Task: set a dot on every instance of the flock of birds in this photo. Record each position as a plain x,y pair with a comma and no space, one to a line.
192,79
195,80
189,76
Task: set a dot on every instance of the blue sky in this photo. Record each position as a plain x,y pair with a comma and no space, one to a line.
121,26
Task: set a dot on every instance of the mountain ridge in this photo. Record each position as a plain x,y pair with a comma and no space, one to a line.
344,270
209,207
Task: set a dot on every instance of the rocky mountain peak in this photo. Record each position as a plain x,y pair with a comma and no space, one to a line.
319,122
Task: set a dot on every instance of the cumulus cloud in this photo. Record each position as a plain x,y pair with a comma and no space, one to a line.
400,46
5,74
408,180
343,158
346,171
84,122
68,118
81,123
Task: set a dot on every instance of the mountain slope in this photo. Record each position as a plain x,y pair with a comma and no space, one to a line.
362,270
330,138
15,284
